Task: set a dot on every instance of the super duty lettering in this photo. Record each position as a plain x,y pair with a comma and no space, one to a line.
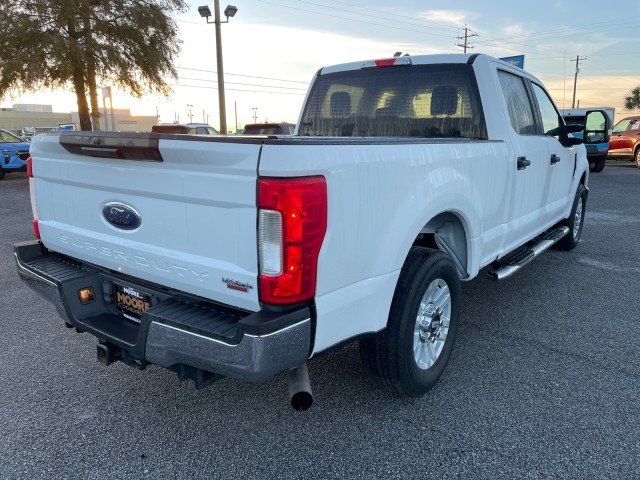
247,256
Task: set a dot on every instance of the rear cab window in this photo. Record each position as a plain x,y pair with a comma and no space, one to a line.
428,101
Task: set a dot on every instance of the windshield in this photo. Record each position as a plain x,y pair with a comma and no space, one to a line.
7,137
621,126
400,101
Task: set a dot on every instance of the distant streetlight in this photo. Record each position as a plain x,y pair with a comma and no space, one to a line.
205,12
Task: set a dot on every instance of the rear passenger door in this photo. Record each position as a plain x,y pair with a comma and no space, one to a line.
530,162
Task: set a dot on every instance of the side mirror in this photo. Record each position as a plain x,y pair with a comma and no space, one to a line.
573,135
597,127
575,128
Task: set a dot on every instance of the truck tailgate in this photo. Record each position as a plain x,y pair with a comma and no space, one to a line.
196,205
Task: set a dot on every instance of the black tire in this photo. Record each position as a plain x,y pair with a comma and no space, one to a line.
636,157
597,166
2,173
389,358
575,221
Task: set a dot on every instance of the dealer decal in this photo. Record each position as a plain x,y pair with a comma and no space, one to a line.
131,302
236,285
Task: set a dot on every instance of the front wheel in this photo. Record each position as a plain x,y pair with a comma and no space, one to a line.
2,173
575,221
411,353
597,165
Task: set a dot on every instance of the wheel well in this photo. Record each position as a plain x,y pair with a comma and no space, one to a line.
446,232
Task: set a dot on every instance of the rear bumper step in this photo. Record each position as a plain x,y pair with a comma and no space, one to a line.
526,254
177,330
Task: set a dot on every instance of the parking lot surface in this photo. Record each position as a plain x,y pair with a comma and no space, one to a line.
544,382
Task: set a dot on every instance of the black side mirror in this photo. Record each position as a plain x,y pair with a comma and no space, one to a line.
572,135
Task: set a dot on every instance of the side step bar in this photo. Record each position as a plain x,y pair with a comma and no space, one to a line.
528,253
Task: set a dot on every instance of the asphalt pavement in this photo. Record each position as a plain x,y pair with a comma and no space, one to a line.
544,382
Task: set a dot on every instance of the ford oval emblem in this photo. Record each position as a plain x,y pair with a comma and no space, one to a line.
121,216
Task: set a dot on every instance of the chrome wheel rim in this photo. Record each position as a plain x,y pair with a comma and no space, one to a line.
577,221
432,324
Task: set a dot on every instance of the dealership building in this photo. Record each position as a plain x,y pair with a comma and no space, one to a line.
27,117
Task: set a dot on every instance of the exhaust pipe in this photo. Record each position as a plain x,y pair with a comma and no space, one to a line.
300,394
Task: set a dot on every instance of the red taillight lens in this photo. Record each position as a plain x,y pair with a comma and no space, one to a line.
385,62
292,222
36,228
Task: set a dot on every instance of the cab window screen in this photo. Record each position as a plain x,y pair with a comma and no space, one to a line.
404,101
518,104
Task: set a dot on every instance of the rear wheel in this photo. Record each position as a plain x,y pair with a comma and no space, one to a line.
575,221
411,353
636,157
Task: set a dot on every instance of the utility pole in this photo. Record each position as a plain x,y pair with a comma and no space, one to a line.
255,114
466,37
575,79
235,107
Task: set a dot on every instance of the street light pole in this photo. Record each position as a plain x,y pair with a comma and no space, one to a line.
221,101
230,11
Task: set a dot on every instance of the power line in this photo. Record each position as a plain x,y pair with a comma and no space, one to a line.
385,18
243,84
242,75
352,19
233,89
564,31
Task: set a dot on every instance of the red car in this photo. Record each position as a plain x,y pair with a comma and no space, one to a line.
625,140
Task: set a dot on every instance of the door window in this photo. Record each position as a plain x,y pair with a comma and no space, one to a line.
550,117
518,104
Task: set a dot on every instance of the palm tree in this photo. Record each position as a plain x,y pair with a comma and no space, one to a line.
633,101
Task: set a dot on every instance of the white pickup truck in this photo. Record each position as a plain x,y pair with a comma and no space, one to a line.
245,256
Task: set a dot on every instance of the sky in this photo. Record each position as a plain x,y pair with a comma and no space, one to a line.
272,49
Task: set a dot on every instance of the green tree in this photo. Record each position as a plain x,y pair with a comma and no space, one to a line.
61,43
633,101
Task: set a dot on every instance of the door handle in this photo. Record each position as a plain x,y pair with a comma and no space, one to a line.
554,159
523,163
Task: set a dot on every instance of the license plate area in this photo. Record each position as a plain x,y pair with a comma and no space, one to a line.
131,302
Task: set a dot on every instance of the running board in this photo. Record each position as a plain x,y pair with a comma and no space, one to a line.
528,253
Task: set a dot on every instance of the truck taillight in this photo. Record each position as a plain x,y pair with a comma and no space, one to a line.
292,221
34,210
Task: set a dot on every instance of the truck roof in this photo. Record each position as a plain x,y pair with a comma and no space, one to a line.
421,60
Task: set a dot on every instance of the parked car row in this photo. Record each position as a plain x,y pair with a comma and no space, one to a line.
204,129
624,142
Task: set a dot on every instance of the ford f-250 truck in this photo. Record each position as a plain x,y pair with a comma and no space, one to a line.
245,256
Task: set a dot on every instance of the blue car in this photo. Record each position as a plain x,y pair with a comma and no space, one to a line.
14,152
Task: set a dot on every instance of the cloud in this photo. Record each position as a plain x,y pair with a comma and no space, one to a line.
452,17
